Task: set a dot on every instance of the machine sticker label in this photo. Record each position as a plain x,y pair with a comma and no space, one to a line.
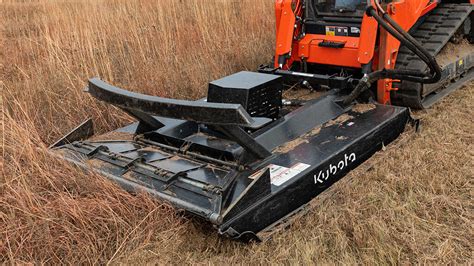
342,31
280,174
355,30
330,31
323,175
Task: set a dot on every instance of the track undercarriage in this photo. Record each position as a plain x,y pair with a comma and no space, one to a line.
447,34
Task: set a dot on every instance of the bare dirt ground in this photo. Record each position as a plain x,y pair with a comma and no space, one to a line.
411,203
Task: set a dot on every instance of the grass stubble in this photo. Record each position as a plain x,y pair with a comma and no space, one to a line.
412,204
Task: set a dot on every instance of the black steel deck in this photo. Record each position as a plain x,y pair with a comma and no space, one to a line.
201,169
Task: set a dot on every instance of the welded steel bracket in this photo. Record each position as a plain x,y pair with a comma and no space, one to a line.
246,141
146,122
230,118
196,111
331,81
81,132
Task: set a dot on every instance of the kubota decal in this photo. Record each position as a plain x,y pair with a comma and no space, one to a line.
333,169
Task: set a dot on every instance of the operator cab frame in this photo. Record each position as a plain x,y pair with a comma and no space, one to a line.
334,17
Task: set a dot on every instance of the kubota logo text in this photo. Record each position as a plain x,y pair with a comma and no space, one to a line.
333,169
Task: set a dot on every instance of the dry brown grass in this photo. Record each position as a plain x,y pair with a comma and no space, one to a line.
413,205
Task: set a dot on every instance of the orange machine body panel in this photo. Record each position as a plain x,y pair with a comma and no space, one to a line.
309,49
373,45
356,52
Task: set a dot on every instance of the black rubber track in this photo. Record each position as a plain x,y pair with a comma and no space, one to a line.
434,32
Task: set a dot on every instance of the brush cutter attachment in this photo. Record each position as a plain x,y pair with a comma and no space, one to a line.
238,159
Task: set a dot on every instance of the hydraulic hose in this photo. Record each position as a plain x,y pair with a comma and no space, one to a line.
410,42
421,51
409,75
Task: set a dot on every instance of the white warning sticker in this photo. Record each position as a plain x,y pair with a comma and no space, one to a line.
355,30
280,174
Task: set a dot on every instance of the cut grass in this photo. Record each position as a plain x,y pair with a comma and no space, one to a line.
413,204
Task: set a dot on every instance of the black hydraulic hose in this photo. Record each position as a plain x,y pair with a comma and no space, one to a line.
413,45
429,59
408,41
406,35
409,75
